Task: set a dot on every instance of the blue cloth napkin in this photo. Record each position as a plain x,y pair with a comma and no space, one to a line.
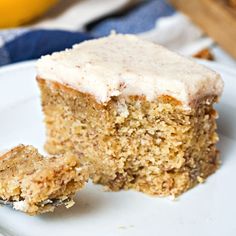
25,44
141,19
35,43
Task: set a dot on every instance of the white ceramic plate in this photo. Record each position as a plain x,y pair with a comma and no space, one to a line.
208,209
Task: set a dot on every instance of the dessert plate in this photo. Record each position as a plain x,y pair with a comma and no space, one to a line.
207,209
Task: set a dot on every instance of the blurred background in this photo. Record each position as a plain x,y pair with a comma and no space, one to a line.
204,29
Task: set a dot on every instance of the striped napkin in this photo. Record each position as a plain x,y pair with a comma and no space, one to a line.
153,20
32,42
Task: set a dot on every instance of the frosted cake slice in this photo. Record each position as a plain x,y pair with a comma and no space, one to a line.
139,114
35,184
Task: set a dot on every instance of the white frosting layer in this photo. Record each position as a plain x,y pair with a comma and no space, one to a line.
126,65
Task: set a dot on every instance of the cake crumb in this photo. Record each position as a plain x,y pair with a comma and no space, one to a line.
174,198
205,54
200,179
70,203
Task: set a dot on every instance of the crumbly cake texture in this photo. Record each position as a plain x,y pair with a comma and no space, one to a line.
154,132
35,183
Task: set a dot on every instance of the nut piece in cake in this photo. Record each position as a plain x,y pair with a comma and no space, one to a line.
35,184
141,115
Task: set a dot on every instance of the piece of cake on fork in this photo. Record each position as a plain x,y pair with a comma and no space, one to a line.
35,184
139,114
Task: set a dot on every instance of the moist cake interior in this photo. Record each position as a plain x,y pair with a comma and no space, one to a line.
154,147
32,182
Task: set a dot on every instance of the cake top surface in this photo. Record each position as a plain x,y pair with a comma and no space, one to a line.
123,65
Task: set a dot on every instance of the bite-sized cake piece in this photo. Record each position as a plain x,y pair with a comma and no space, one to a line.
35,184
141,115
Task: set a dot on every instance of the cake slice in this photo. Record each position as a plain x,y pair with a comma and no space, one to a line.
35,184
139,114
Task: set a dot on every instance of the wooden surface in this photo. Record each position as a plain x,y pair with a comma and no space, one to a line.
215,17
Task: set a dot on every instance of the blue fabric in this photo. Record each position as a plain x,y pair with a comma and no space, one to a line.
141,19
25,44
35,43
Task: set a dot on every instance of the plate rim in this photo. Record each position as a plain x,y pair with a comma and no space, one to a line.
36,223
